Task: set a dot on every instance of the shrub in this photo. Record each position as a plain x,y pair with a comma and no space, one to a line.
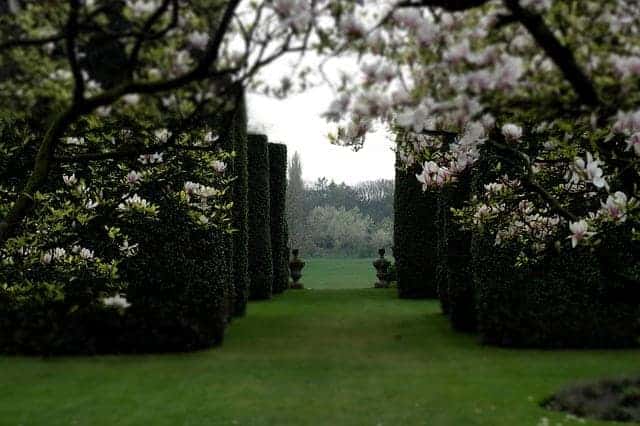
235,138
279,238
458,279
563,300
260,254
415,231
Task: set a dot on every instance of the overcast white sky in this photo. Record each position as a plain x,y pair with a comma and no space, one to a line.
296,122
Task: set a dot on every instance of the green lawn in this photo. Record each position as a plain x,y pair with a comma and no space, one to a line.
329,273
331,357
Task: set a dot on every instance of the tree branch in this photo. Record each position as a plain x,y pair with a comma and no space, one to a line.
561,55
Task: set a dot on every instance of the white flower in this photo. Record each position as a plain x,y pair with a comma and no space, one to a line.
46,258
151,158
219,166
133,177
142,7
70,180
209,137
59,253
433,175
198,40
134,202
536,5
162,135
117,301
589,171
131,98
579,231
90,205
616,206
634,143
74,140
127,249
512,132
86,254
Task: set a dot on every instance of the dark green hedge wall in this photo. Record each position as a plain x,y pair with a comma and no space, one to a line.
414,236
565,300
454,274
278,187
237,141
260,254
178,290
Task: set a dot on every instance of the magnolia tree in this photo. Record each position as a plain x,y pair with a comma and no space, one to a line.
102,102
547,89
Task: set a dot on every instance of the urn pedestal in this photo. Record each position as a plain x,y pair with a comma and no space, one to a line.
382,270
295,267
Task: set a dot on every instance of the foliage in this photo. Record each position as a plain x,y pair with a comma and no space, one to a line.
295,203
414,237
260,251
235,138
279,237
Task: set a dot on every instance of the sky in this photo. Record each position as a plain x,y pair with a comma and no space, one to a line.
296,121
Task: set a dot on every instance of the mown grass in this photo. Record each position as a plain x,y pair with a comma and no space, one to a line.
331,357
338,273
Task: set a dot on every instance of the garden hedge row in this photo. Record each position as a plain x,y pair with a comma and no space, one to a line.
565,300
236,140
454,274
178,287
414,236
279,238
260,253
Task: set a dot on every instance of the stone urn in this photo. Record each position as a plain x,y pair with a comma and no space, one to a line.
295,266
382,270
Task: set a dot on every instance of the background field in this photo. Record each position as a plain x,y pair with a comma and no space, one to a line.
338,273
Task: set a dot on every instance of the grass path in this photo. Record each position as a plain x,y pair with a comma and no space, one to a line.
330,357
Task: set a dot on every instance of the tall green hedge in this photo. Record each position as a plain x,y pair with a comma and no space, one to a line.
565,300
237,141
260,253
278,186
414,236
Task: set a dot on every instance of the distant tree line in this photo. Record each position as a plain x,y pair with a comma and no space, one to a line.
331,219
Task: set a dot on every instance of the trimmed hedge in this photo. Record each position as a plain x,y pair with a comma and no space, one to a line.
278,187
564,300
442,247
414,236
235,139
178,290
260,254
456,287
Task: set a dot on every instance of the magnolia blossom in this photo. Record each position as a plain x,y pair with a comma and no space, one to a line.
433,176
134,202
210,137
192,188
352,28
133,177
634,143
46,258
219,166
131,98
154,158
588,171
70,180
536,5
59,253
86,254
128,249
142,7
512,132
198,40
91,204
117,301
75,140
162,135
579,231
616,206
